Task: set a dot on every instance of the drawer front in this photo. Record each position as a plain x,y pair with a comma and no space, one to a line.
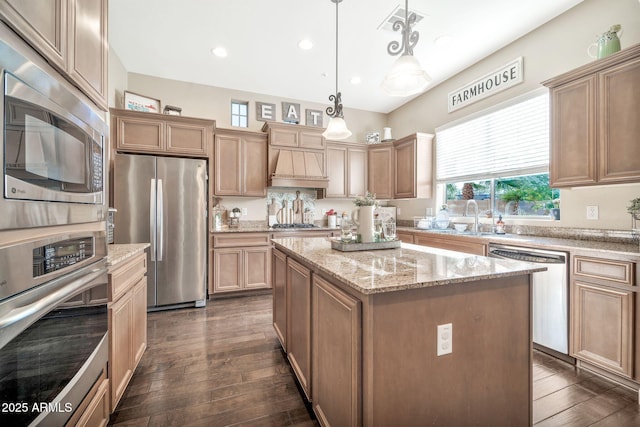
615,271
124,276
229,240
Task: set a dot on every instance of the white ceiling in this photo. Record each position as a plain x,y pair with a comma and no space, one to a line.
173,39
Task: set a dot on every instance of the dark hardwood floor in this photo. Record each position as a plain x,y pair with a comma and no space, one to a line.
223,366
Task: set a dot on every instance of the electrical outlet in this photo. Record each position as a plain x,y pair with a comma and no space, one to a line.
398,212
445,339
592,212
244,211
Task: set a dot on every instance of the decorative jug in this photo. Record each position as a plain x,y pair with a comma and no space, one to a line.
607,43
362,217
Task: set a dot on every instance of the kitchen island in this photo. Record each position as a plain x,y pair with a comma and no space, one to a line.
361,332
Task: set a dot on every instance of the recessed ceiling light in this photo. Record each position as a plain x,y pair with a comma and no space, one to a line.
219,51
305,44
443,40
355,80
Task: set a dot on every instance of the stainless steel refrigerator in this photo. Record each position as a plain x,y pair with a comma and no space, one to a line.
163,201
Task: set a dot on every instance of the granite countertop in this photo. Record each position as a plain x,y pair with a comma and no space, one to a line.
266,229
117,253
541,242
407,267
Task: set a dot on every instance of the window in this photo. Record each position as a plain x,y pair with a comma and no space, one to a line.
240,114
500,158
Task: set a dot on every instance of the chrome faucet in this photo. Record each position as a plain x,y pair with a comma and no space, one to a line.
477,213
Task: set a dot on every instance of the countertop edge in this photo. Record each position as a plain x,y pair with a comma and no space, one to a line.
119,252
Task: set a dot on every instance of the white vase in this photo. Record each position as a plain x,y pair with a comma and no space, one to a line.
386,135
362,216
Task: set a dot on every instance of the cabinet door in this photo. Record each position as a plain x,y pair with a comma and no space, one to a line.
138,134
279,283
228,271
88,48
451,244
42,23
381,171
619,127
257,268
299,323
254,170
228,161
357,170
120,341
405,170
139,327
573,134
405,236
602,327
337,355
187,138
337,171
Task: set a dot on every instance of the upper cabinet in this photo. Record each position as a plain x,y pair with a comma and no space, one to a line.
402,169
594,122
134,131
346,169
240,159
381,170
70,34
413,161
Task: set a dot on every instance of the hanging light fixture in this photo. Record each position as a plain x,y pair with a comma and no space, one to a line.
337,127
406,76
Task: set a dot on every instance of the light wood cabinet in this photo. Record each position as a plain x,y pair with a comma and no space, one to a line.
594,124
347,170
93,411
299,323
459,244
71,35
127,310
279,283
602,314
413,159
405,236
133,131
298,136
240,160
241,262
337,355
381,170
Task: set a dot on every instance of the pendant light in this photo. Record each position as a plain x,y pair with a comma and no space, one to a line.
406,76
337,127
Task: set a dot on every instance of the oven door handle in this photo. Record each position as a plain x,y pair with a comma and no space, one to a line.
19,318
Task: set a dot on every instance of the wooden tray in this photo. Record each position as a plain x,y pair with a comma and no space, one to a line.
337,244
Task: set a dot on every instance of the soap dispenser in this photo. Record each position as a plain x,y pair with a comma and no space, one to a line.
500,225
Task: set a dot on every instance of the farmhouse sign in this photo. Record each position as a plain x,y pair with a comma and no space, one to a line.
503,78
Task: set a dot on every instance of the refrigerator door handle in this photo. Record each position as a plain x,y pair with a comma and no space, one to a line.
152,217
160,220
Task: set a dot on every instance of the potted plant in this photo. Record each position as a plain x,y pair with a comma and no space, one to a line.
634,208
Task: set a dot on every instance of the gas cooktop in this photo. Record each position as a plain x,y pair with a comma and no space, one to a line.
294,226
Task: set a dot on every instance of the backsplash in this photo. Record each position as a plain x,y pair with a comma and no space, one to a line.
291,205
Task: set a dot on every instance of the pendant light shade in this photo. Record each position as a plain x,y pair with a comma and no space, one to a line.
337,127
406,76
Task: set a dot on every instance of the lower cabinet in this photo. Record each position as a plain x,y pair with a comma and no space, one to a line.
279,284
603,313
337,355
241,261
450,243
299,323
127,309
404,236
93,411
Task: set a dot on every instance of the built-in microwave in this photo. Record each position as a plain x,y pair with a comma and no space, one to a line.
53,144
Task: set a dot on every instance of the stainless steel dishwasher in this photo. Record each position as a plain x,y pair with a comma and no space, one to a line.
550,294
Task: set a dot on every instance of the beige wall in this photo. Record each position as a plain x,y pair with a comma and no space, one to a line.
552,49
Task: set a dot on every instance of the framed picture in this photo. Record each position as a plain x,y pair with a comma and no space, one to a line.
137,102
372,137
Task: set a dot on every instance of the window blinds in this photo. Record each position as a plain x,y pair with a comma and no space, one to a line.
509,141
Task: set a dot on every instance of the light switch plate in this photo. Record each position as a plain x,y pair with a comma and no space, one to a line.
445,339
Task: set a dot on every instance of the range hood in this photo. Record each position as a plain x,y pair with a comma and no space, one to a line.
299,168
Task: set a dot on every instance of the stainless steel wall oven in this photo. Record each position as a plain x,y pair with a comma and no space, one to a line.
54,142
53,326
